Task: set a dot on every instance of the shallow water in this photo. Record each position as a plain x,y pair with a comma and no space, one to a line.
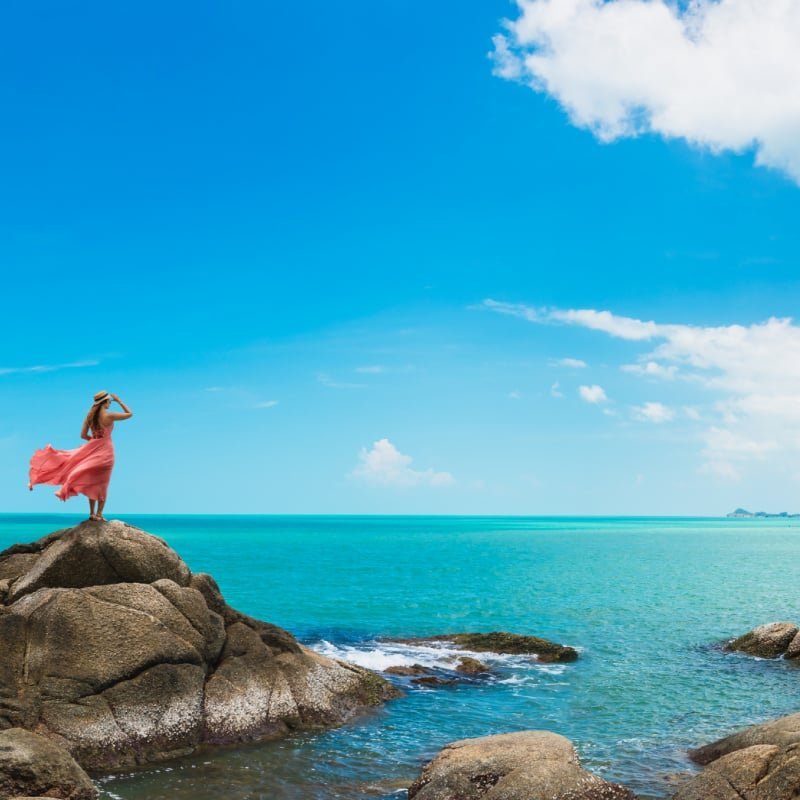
645,600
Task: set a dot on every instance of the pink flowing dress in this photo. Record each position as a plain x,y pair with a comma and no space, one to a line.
85,470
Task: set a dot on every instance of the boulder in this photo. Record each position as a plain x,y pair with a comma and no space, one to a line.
758,772
501,642
766,641
407,671
471,666
781,733
113,648
33,766
531,765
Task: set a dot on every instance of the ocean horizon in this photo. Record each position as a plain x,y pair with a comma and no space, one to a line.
647,601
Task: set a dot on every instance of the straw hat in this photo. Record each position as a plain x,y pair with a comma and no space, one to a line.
101,397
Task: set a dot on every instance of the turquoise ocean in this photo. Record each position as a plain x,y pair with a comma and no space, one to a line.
647,601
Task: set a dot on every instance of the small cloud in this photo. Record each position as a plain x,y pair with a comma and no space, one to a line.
38,368
638,480
326,380
721,469
593,394
653,412
572,363
385,465
691,412
609,412
265,404
514,395
374,369
214,389
555,390
651,369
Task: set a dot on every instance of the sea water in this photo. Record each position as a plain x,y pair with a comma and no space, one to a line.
646,601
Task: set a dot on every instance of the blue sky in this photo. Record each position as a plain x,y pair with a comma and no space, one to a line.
333,256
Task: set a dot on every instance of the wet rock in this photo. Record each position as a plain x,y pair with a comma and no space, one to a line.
471,666
531,765
407,671
33,766
766,641
112,646
503,643
434,680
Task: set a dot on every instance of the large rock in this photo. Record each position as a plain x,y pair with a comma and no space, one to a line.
781,733
759,772
112,647
766,641
502,642
531,765
33,766
759,763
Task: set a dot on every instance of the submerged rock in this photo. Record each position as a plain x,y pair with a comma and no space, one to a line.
113,647
434,680
531,765
33,766
767,641
504,643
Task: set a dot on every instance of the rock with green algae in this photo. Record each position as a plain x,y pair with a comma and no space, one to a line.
503,643
114,648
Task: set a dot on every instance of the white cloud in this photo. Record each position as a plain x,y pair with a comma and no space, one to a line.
653,412
572,363
265,404
385,465
721,74
38,368
373,369
514,395
592,394
752,372
331,383
555,390
691,412
651,369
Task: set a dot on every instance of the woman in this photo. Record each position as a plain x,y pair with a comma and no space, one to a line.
86,470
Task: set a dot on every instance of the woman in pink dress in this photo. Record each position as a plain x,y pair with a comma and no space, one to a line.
86,470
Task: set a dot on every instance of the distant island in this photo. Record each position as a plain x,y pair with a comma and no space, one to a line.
743,513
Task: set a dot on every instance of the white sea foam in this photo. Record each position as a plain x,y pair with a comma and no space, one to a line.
378,655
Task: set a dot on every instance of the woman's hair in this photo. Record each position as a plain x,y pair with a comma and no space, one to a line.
93,417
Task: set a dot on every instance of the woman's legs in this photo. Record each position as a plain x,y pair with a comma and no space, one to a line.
101,504
91,508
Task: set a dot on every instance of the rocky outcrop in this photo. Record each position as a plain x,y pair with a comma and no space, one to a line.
471,666
115,649
781,733
758,763
769,641
33,766
504,643
759,772
531,765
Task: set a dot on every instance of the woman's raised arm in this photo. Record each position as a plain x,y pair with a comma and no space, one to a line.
116,415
